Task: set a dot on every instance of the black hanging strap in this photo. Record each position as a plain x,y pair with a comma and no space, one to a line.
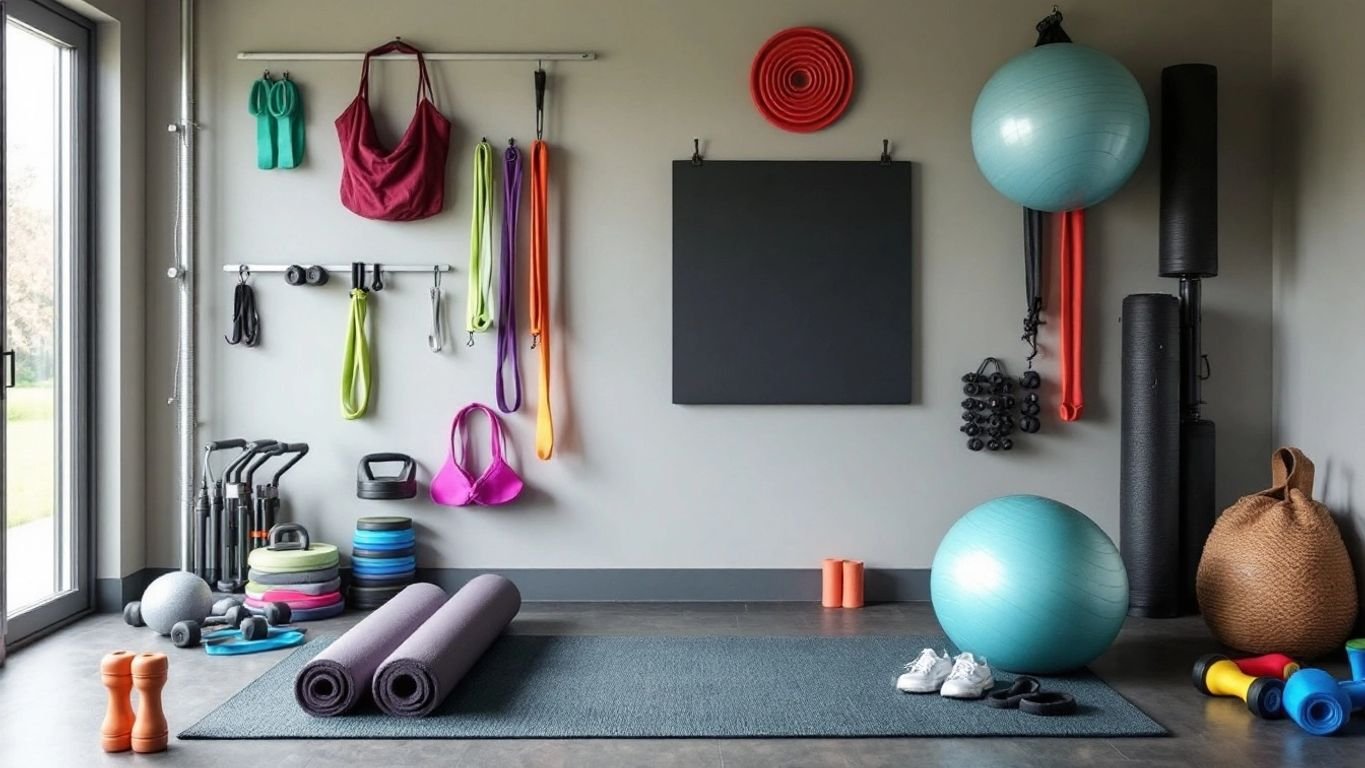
1033,279
246,323
1050,29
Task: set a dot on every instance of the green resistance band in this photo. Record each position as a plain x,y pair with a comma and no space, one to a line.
479,312
355,368
287,109
258,104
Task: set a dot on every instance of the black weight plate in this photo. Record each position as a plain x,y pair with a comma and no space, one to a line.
383,523
387,580
383,553
376,593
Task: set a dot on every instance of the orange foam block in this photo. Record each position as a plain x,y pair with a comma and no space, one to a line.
832,576
853,584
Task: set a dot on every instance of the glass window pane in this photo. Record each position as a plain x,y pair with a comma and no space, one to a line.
38,148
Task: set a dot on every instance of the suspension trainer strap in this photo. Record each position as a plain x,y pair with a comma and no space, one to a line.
507,286
1072,278
1033,279
355,366
540,293
246,322
479,313
258,104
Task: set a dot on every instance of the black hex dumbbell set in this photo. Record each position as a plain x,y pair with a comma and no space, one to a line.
997,405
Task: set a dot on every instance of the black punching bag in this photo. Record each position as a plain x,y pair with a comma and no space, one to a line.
1149,475
1189,171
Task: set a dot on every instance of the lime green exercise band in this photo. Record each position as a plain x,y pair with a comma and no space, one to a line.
355,367
479,307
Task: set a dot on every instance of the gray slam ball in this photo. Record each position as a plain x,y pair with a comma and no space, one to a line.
176,596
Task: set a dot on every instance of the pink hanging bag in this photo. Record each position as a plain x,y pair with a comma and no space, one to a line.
454,486
406,182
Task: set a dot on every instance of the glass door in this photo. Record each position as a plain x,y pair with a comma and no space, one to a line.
43,291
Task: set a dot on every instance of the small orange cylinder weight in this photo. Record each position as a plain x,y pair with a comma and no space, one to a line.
832,582
150,731
116,671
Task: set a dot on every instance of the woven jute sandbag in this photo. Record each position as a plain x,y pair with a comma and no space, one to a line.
1275,575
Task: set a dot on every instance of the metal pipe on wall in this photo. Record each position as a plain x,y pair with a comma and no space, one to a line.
184,273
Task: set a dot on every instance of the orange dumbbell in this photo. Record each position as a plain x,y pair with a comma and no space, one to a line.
150,730
116,671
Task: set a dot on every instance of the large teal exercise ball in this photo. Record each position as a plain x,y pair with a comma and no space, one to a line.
1031,584
1060,127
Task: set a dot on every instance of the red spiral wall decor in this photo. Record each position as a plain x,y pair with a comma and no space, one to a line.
802,79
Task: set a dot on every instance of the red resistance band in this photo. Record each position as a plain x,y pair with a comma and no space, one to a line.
1072,277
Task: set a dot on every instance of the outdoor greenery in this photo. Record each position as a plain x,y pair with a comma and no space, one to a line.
29,453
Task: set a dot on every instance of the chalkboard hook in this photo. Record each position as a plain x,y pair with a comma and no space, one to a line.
696,151
886,151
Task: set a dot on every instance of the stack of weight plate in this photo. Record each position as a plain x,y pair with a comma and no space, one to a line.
306,579
383,560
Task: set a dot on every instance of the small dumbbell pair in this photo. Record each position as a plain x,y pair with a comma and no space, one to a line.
229,612
122,730
297,275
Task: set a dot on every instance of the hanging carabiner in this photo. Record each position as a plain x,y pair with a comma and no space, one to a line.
436,337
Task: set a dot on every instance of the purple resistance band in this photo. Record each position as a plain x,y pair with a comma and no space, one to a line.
507,290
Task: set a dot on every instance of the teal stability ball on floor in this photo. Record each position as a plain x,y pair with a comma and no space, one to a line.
1031,584
1060,127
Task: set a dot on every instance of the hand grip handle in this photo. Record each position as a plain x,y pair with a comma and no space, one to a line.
278,532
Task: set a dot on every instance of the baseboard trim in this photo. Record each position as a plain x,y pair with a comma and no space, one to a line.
881,585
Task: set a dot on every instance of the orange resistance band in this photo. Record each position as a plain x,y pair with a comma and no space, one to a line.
540,292
1072,278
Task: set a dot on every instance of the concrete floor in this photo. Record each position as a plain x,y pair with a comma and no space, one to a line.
52,703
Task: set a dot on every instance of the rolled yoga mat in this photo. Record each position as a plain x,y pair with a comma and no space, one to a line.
422,671
270,578
1189,171
1149,473
339,678
1198,510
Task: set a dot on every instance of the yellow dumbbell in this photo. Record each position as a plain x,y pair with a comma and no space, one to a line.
1217,675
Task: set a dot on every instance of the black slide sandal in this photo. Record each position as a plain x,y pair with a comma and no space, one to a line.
1048,703
1010,697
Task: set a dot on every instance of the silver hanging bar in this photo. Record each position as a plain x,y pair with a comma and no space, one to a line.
438,56
339,268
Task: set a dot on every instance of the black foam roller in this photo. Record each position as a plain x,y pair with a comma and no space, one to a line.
1189,171
1197,510
1149,476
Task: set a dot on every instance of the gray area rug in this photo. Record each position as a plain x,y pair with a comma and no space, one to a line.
534,686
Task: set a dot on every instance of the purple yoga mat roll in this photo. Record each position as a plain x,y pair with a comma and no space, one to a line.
337,679
427,666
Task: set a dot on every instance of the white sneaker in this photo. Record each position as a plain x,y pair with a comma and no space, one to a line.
970,678
926,673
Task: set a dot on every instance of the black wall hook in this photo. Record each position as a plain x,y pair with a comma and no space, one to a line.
886,152
696,151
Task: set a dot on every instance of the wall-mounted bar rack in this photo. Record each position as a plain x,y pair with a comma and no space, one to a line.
340,268
437,56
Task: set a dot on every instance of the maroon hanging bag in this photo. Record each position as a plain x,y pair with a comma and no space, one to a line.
400,184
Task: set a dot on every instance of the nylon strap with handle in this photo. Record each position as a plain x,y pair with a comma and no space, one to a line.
1072,279
540,293
507,286
355,366
479,311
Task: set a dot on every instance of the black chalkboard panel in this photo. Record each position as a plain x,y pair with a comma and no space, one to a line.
791,282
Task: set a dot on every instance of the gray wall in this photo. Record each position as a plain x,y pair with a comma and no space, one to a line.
638,482
1319,193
